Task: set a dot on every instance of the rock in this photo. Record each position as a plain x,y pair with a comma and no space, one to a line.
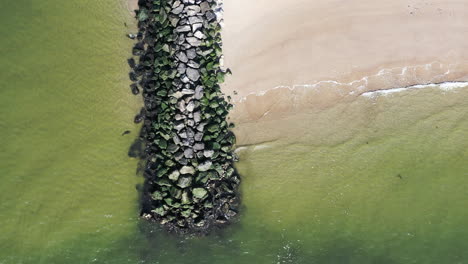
187,170
199,193
176,140
204,6
193,20
198,136
208,153
134,89
197,117
193,64
198,92
190,122
178,9
182,57
205,166
187,91
196,27
185,28
181,68
192,10
191,54
131,36
179,117
194,42
199,35
193,74
199,146
210,16
174,176
188,153
174,20
179,126
184,182
190,106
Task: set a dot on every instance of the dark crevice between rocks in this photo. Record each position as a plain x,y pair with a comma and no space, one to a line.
191,185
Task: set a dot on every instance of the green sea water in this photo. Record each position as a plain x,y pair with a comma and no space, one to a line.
375,180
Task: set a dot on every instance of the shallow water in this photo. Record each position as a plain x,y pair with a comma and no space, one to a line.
329,192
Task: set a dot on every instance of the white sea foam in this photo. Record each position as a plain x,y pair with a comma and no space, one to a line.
446,86
363,82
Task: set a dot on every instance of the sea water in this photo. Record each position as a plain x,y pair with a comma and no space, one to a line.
380,179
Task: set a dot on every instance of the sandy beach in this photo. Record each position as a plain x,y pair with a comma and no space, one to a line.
295,55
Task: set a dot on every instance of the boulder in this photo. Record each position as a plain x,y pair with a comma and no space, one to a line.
174,176
193,74
187,170
205,166
184,182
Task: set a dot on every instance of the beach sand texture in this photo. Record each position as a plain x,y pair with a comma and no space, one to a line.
287,56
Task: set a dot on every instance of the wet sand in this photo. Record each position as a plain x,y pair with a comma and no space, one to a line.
291,56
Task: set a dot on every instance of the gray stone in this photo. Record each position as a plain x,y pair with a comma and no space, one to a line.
181,105
198,136
197,117
210,15
192,10
190,122
191,106
205,166
181,68
193,20
188,153
185,28
187,170
179,117
191,54
183,135
208,153
196,27
178,9
198,92
179,126
193,41
174,20
199,146
185,79
199,35
176,140
193,64
205,6
199,193
187,91
193,74
182,57
201,126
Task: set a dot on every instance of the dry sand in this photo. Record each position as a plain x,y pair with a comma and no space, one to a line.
288,56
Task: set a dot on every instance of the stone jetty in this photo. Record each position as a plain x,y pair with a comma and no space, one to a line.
190,182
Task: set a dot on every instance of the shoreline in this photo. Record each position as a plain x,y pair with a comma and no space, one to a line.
296,57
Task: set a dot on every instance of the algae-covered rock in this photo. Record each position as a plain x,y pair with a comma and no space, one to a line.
205,165
187,170
200,193
184,182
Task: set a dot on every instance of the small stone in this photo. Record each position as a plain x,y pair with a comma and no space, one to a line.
199,146
190,122
199,35
187,170
193,20
208,153
174,176
191,54
185,28
184,182
193,74
196,27
182,57
174,20
210,16
192,10
193,64
181,68
193,41
205,166
198,136
176,140
187,91
199,193
205,6
197,117
188,153
178,9
198,92
191,106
